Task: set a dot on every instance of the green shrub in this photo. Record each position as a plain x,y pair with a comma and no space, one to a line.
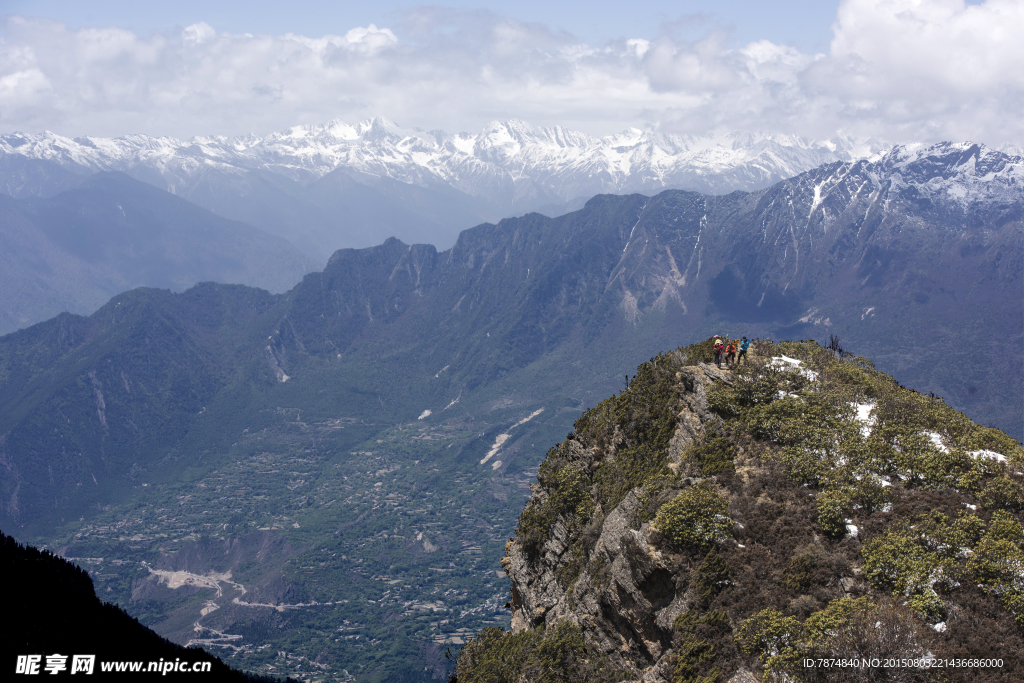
1003,493
710,577
701,352
574,491
1005,527
901,562
811,430
847,628
544,656
832,508
772,637
1014,603
712,456
645,417
722,400
997,563
697,517
826,623
495,656
695,654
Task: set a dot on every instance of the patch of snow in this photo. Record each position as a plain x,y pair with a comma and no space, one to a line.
851,529
817,200
998,457
971,507
937,441
527,418
940,627
793,365
436,375
865,418
867,312
425,413
496,464
502,438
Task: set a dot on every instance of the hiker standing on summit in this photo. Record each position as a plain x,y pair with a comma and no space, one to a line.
718,351
744,344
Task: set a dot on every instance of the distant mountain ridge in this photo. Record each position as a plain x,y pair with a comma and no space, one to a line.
110,233
508,168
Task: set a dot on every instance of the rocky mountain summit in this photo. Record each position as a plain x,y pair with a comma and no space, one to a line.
728,524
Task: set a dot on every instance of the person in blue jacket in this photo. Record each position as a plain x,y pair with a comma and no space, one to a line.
744,344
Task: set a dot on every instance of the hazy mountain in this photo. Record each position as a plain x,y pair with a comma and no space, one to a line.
369,436
426,186
73,251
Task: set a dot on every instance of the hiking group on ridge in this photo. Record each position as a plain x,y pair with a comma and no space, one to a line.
726,348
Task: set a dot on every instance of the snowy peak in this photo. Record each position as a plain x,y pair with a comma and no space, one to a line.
949,160
512,166
960,172
502,163
958,184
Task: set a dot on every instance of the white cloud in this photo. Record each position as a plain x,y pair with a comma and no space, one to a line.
198,33
896,69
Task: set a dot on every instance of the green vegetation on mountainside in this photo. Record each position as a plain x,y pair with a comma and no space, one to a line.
827,511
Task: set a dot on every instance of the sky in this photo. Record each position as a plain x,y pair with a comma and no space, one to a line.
893,70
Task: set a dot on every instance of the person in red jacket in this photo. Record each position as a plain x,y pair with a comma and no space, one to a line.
718,350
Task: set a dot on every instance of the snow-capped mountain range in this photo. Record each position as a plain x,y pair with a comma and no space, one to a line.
334,185
510,165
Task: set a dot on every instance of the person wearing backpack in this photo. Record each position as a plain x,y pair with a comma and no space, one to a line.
718,351
744,344
730,353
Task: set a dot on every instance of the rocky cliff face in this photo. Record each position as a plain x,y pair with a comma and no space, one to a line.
627,607
713,524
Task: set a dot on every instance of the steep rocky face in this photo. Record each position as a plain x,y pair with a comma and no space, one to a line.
723,524
628,605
